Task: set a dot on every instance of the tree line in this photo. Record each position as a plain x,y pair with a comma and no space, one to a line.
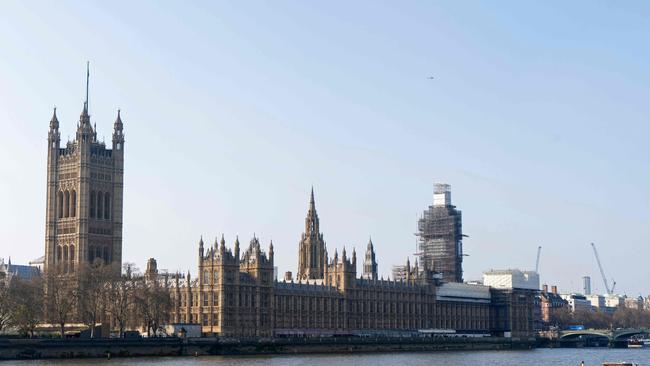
622,317
95,294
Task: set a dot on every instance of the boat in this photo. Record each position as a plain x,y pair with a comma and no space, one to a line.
638,342
619,364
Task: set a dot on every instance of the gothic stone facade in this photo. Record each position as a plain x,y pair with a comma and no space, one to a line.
84,197
237,296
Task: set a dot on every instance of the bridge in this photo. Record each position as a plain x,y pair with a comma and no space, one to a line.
599,335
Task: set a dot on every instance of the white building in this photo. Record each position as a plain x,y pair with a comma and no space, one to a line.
577,302
597,301
614,301
511,278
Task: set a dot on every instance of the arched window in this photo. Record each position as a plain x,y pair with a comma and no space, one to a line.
93,204
98,252
65,253
59,204
91,254
71,256
73,201
59,255
107,206
66,204
100,205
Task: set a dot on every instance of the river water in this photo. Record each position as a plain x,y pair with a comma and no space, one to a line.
545,357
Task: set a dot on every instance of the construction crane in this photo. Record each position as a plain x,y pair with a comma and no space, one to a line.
610,291
539,251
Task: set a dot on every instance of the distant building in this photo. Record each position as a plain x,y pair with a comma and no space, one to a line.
577,302
634,303
511,278
9,271
614,301
550,304
586,285
440,233
597,301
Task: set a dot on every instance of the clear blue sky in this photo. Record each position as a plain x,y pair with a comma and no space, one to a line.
537,116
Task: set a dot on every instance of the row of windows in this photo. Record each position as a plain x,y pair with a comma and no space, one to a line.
98,252
65,256
100,205
67,203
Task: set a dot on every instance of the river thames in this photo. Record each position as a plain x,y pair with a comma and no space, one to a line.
546,357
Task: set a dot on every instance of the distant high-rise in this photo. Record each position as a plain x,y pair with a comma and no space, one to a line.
440,236
83,219
586,285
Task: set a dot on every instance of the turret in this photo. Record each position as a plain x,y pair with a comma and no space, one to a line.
201,251
369,263
54,122
237,248
222,246
118,133
271,251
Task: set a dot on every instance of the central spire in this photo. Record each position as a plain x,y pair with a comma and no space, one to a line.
85,132
312,250
87,84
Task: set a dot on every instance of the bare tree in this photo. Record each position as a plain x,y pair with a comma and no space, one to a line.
62,297
119,297
5,305
26,304
153,304
94,281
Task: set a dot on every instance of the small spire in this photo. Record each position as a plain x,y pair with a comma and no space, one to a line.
54,122
87,83
312,202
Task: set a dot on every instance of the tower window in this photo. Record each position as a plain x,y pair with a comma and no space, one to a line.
66,204
73,207
107,206
100,205
60,204
93,203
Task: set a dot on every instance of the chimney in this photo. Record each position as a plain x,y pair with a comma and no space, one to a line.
554,289
544,288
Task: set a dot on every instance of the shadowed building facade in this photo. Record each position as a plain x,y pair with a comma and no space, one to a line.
236,295
83,218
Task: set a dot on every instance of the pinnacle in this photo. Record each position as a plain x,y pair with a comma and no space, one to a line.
119,118
54,119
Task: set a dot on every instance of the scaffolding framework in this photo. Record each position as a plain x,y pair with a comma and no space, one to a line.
440,237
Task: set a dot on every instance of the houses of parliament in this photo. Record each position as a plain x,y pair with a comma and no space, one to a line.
236,294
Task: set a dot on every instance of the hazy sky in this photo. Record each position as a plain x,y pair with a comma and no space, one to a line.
537,116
